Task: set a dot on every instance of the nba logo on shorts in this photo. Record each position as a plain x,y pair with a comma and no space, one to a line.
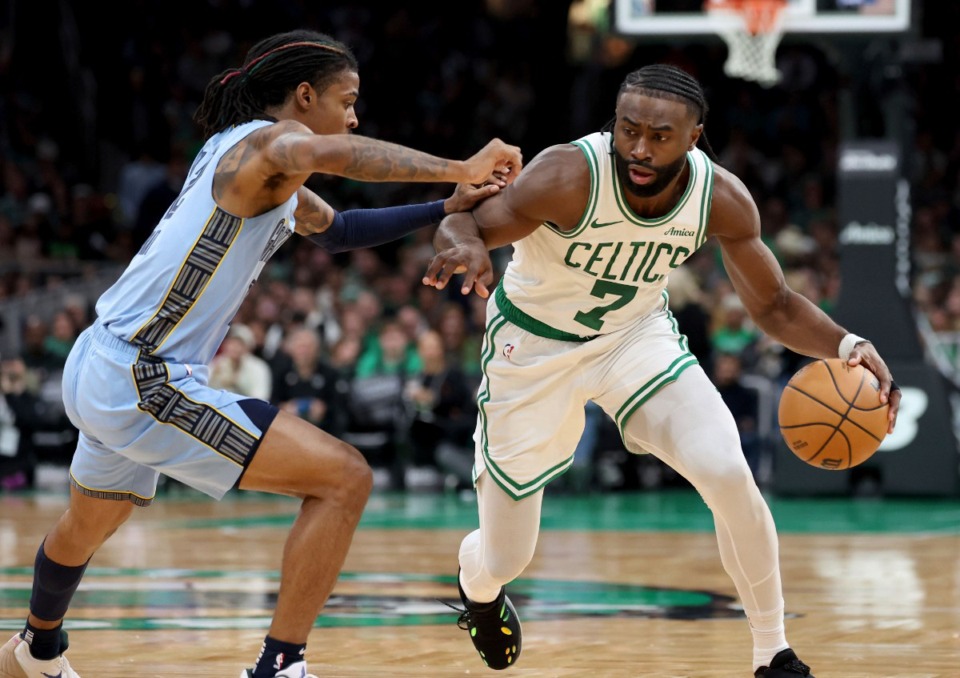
507,350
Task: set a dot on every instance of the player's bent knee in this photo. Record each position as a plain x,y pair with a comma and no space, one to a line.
345,476
506,568
299,459
727,484
95,526
356,473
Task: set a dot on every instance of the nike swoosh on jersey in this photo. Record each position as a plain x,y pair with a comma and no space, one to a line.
59,675
599,224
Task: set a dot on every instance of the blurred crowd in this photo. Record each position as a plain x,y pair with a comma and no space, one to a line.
354,342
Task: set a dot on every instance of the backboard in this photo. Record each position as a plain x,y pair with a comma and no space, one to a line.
687,17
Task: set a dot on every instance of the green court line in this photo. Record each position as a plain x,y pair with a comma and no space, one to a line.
673,510
193,603
661,511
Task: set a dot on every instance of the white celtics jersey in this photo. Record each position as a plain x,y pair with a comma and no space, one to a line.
612,268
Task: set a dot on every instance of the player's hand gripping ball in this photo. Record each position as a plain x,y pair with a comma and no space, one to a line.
831,416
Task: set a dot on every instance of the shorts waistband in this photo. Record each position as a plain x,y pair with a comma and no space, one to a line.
107,339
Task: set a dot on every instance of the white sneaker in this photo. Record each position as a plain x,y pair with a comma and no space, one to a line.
17,662
295,670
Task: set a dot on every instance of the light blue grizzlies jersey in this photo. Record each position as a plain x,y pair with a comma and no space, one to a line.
612,267
180,292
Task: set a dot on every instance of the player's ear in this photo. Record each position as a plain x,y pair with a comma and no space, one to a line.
305,94
697,131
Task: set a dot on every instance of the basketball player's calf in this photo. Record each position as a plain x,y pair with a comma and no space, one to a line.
60,563
334,480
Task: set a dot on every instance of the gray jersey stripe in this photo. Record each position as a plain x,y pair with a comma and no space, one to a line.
201,262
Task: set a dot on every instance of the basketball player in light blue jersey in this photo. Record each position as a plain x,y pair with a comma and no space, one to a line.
582,314
135,384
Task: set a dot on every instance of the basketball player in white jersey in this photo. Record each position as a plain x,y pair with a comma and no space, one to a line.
135,384
582,314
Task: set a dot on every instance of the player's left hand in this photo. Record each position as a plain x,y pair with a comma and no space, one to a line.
469,258
466,196
867,354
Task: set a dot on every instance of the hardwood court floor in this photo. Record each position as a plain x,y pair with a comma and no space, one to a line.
622,585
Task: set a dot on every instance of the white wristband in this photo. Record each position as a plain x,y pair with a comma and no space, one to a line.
847,344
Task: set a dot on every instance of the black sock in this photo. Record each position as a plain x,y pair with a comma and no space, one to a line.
44,643
53,586
276,655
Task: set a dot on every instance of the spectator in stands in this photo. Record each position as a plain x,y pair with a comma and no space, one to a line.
444,406
733,332
34,348
306,385
412,321
237,369
21,414
137,177
57,344
461,343
344,355
391,353
693,319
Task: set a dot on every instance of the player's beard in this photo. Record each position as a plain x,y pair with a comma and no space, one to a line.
664,175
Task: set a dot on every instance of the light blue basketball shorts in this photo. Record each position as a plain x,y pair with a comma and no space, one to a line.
140,417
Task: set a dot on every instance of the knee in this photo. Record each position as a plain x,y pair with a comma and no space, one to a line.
361,476
728,483
506,564
507,569
95,527
354,481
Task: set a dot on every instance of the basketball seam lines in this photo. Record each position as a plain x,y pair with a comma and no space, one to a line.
851,403
820,402
843,416
831,409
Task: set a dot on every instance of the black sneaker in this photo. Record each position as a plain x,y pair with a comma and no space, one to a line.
784,665
494,629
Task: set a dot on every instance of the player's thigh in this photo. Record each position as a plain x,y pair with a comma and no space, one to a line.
687,424
297,458
531,408
635,365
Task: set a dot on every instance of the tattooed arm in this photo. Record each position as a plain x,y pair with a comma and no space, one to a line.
268,166
313,214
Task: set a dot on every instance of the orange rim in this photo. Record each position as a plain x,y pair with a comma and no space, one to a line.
760,16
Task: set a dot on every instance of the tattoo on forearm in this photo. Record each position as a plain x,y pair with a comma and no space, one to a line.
374,160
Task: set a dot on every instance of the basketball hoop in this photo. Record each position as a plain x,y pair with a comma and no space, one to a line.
752,37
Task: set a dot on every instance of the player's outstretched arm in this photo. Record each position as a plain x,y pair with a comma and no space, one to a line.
552,188
341,231
294,150
783,314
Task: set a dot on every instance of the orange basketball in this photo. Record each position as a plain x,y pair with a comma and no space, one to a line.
831,416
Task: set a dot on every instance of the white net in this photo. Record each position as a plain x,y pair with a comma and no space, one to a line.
752,41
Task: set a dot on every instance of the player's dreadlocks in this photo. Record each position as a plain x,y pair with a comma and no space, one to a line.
669,82
272,69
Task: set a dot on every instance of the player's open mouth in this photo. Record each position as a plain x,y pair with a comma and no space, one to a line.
641,176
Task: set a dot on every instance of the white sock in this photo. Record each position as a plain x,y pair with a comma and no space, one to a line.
769,636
